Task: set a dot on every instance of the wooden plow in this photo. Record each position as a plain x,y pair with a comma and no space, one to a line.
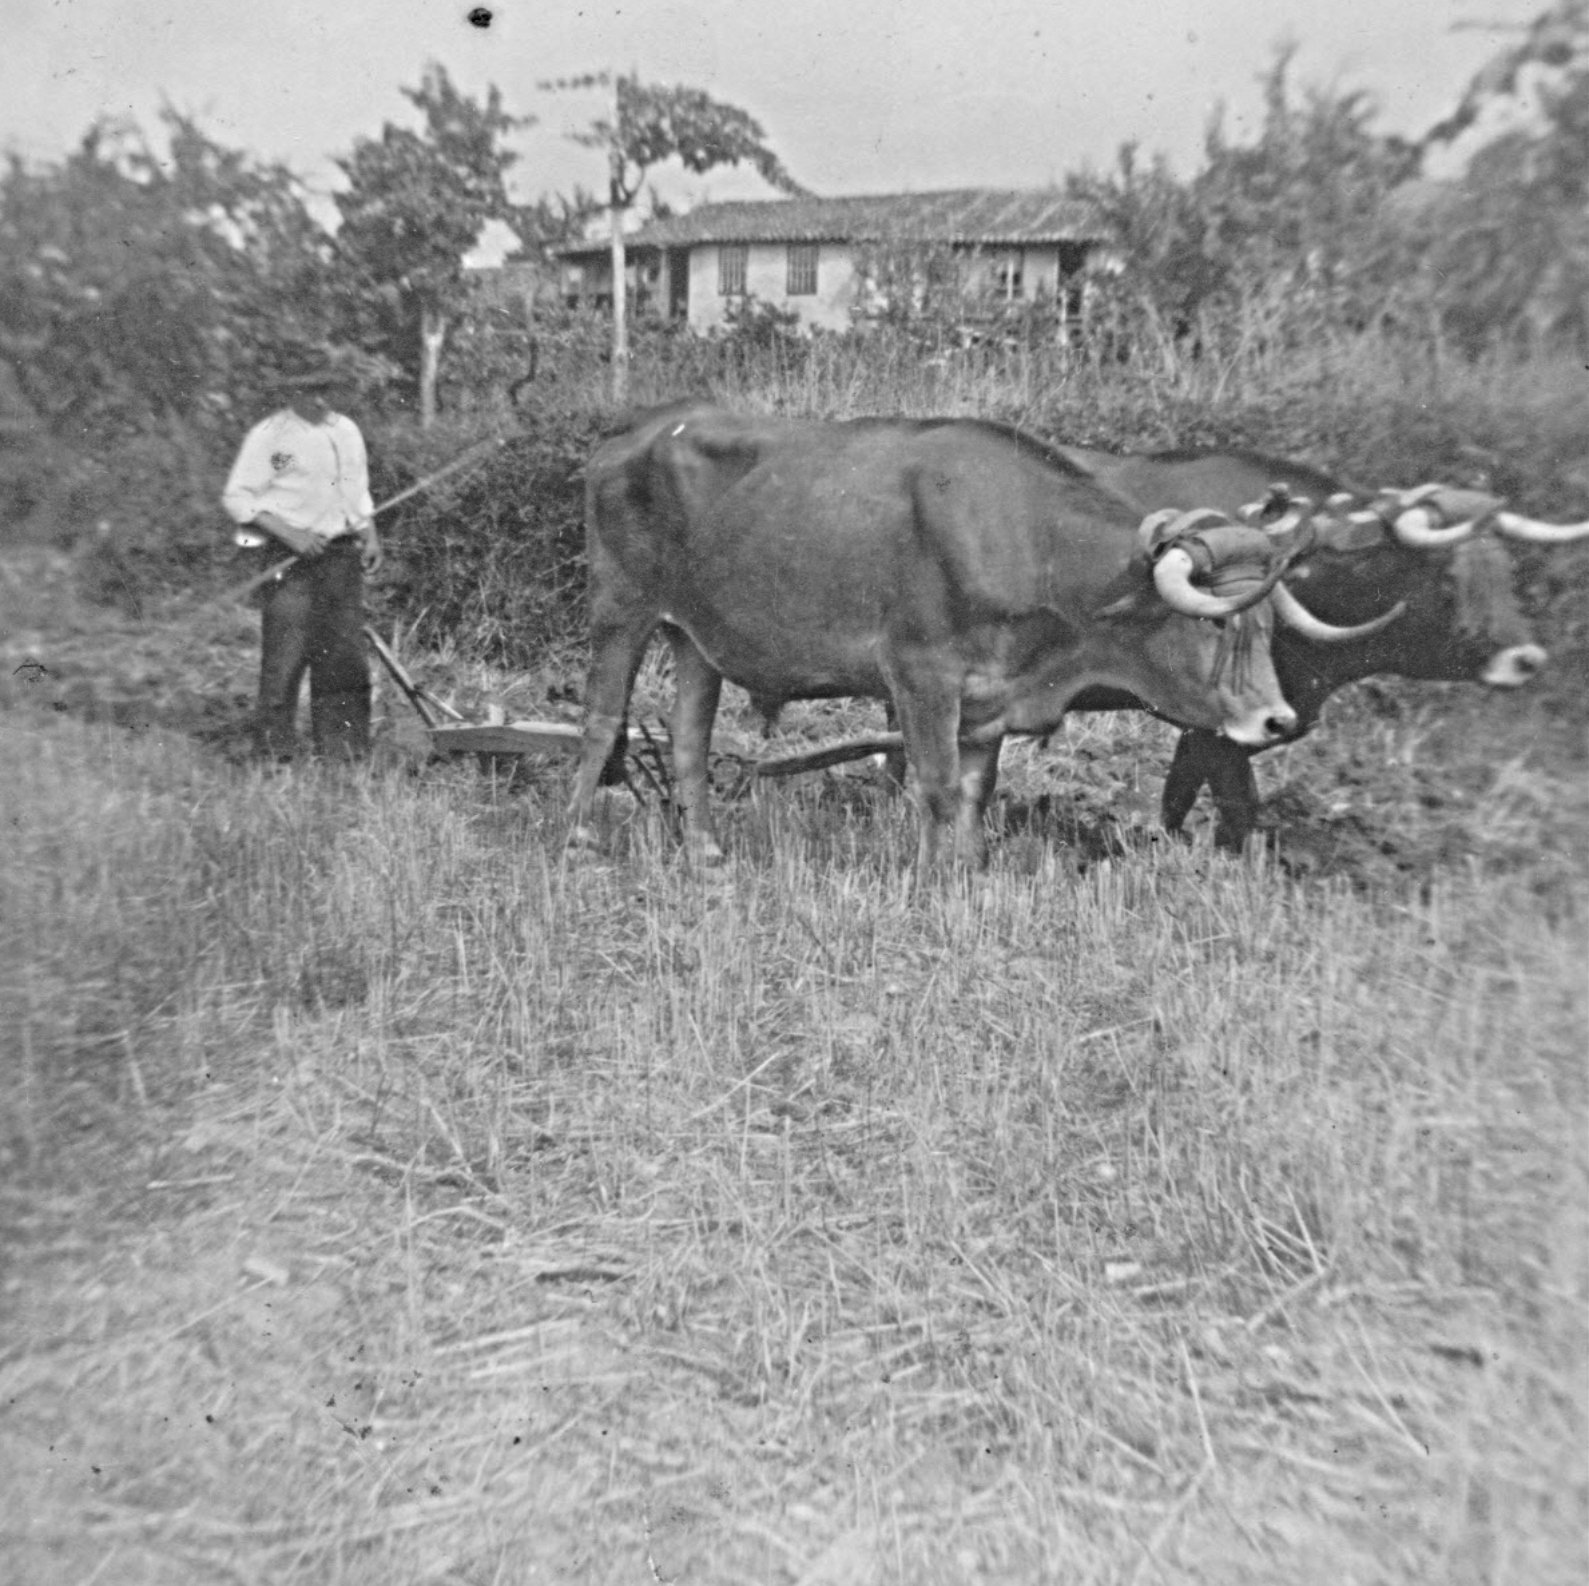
451,734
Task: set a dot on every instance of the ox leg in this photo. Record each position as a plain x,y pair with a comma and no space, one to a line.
698,686
1226,767
1235,791
979,775
929,720
1193,765
616,649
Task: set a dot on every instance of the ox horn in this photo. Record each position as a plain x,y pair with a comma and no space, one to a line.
1295,615
1516,527
1416,529
1416,525
1172,577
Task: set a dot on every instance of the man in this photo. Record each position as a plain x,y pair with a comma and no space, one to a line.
301,483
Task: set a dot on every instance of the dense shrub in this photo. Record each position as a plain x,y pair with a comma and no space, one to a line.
493,557
1322,226
144,513
500,363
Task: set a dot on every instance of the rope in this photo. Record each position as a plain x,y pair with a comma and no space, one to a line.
1235,649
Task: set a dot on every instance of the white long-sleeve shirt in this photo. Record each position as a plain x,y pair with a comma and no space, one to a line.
312,476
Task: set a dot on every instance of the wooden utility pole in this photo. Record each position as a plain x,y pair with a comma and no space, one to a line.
616,204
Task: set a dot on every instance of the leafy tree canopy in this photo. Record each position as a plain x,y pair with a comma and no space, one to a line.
136,285
553,219
648,125
1506,251
1331,224
416,202
652,123
415,205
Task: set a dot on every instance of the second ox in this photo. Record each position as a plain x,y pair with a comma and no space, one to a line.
968,575
1439,553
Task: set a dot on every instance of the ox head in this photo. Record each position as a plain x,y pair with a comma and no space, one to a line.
1227,577
1441,553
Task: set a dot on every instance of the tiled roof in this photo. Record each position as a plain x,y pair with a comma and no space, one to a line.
964,215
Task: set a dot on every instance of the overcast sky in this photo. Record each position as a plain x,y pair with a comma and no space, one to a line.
857,96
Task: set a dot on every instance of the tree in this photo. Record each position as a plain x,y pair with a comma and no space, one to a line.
1159,237
649,124
416,204
1506,250
1298,217
1294,218
136,289
1309,190
551,220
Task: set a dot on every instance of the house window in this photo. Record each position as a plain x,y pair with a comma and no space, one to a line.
802,269
731,260
1007,276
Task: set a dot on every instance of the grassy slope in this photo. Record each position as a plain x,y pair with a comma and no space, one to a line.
391,1203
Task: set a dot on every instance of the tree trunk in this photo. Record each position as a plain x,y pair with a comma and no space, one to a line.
432,338
620,274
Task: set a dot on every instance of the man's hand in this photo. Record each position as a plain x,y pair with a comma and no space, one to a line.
307,544
301,542
374,556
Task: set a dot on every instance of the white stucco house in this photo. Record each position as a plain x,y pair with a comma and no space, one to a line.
815,257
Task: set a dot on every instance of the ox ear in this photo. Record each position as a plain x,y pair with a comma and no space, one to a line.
1155,531
1155,534
1136,601
1355,531
1159,530
1463,506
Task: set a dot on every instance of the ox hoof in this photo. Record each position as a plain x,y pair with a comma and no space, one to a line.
583,843
706,856
715,881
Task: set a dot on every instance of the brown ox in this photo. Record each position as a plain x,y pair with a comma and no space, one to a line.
970,576
1461,621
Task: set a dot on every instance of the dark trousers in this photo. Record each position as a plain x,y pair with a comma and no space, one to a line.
313,621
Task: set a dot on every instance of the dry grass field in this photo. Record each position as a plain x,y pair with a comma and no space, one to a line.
386,1200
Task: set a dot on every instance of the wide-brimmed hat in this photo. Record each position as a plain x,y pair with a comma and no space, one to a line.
314,367
310,380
